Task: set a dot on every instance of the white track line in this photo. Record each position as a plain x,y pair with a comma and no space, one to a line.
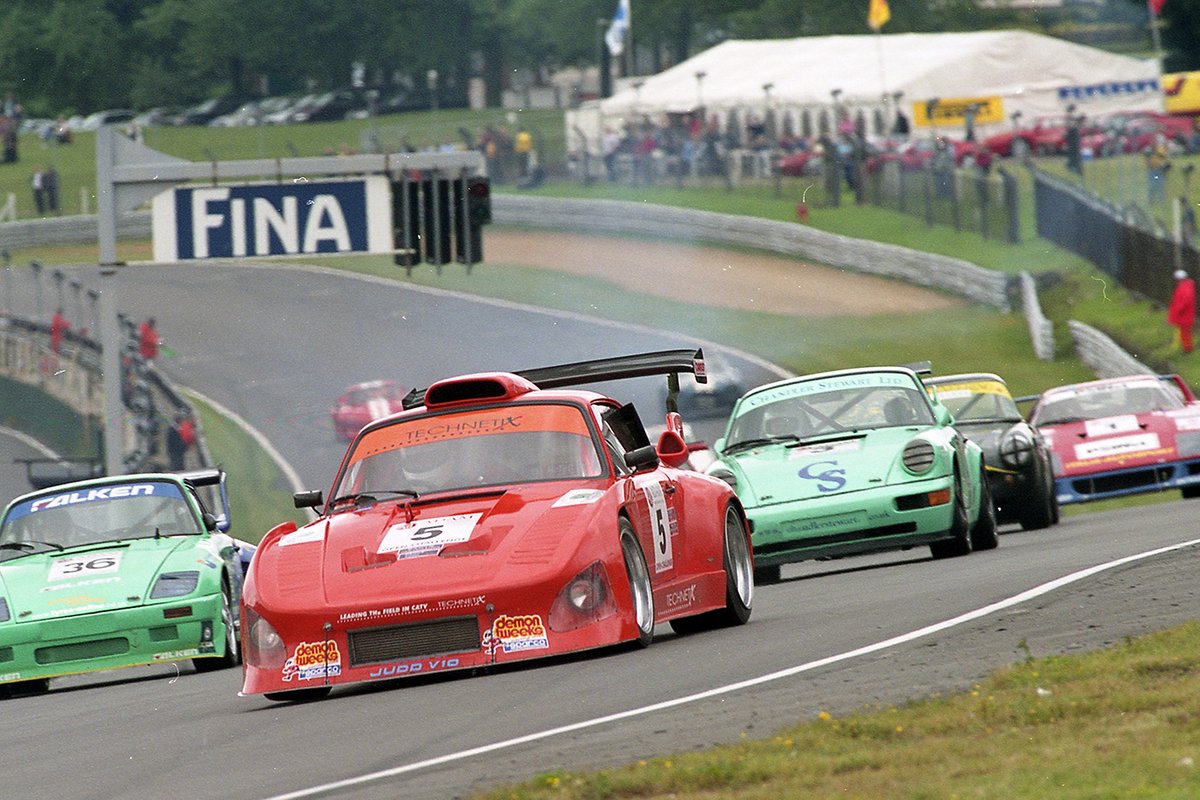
903,638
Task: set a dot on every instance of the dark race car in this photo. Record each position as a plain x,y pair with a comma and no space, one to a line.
500,517
1017,458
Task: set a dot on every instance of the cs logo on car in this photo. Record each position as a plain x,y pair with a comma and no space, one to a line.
830,480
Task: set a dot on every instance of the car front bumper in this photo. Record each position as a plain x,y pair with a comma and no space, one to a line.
128,637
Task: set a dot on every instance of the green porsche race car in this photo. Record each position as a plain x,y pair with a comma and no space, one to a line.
853,461
117,572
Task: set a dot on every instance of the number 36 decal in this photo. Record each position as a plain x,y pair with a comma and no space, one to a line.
85,565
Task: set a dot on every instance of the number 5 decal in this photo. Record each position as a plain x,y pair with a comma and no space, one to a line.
660,526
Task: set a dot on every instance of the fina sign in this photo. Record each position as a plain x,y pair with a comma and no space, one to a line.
300,218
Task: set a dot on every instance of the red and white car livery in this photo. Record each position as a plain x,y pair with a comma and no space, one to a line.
502,517
1119,436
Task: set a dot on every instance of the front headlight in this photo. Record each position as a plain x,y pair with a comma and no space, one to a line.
174,584
918,456
1016,448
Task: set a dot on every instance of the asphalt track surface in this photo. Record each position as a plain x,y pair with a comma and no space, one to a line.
276,346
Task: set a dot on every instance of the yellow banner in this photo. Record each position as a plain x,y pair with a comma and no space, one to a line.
1181,92
952,111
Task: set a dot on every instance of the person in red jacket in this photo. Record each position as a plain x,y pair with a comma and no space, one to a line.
58,327
1182,312
148,340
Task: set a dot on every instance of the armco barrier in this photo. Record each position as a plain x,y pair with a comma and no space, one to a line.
1041,330
791,239
1105,357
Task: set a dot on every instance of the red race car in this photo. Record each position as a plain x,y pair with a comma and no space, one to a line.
1121,436
501,517
364,402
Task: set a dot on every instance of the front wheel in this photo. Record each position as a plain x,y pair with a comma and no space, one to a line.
233,654
641,592
299,695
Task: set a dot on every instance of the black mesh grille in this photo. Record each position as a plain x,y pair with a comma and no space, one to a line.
374,645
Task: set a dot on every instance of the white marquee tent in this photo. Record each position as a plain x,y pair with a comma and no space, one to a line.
1004,71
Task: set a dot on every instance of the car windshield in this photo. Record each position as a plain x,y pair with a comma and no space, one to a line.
1109,400
801,410
97,514
978,401
478,447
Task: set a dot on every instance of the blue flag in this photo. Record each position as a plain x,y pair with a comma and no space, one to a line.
618,29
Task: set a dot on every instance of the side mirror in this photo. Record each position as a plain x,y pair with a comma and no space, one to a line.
309,499
719,445
642,458
943,415
671,449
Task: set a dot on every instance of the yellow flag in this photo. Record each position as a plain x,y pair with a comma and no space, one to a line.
878,14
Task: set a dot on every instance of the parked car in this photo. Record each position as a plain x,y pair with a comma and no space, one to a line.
117,572
853,461
364,402
1016,456
329,106
1121,436
203,112
500,517
113,116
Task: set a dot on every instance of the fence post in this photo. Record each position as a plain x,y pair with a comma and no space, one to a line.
8,212
1010,206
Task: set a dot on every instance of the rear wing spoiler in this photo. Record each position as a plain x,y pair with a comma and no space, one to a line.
212,476
639,365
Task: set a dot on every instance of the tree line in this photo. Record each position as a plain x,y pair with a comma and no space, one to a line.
77,56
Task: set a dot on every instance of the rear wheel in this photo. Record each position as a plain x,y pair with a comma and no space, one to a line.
1191,492
641,592
233,653
984,536
959,543
739,582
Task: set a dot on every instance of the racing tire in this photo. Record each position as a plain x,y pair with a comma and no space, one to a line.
31,687
233,652
1190,492
985,536
299,695
1043,512
640,590
765,576
739,582
959,543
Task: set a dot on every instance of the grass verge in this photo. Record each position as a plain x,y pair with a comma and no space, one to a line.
1118,723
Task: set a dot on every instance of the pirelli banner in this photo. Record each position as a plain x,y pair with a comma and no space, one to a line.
283,219
949,112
